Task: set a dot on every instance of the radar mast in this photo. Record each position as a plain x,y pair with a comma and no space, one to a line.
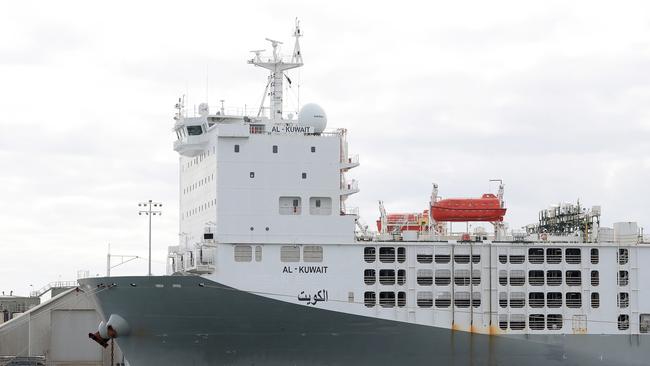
277,67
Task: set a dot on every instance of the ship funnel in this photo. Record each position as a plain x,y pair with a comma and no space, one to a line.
117,326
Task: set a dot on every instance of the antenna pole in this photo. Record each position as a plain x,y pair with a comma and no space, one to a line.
277,67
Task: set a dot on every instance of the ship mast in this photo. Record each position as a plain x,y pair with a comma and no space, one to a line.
277,67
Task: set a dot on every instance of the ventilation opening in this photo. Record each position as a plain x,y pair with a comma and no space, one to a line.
369,299
369,254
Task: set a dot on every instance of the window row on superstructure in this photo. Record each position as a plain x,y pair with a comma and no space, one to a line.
386,276
197,160
199,183
199,208
535,256
557,255
292,205
288,253
274,149
386,254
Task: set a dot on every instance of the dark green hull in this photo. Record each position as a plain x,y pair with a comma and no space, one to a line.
205,323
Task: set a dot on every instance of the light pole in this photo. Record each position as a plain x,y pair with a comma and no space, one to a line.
149,212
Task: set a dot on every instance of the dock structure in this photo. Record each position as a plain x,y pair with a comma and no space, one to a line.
54,332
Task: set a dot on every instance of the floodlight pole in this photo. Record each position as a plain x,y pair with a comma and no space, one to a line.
149,204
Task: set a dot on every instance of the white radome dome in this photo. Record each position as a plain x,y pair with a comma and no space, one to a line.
313,115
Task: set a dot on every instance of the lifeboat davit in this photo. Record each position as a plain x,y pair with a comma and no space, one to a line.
405,222
487,208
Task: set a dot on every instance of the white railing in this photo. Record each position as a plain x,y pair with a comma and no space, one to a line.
351,211
350,185
352,160
51,285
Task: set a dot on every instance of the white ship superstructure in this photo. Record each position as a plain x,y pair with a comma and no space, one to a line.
263,214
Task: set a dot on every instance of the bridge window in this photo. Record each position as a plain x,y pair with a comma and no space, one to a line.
275,149
194,130
236,148
313,149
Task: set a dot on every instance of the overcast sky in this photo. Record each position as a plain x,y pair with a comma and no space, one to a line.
553,97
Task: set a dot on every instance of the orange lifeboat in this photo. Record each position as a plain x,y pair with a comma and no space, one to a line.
487,208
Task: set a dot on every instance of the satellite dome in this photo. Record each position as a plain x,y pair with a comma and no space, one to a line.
314,116
204,109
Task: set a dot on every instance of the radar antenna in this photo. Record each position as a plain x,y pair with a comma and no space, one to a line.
257,55
277,67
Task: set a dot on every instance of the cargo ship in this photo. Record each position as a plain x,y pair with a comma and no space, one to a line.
273,267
